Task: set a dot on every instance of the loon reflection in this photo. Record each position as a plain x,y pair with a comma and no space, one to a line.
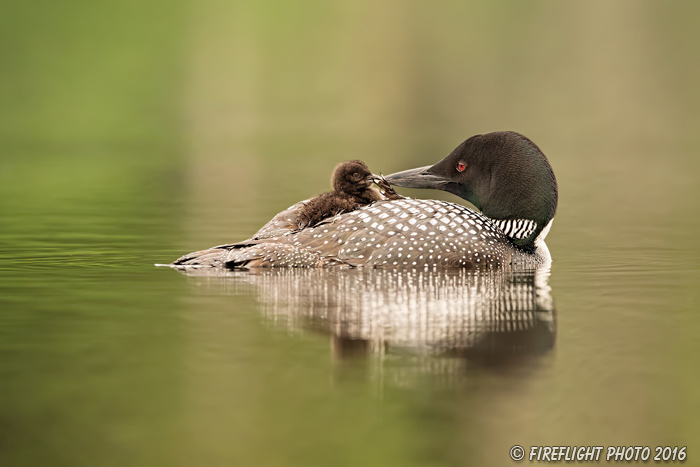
490,317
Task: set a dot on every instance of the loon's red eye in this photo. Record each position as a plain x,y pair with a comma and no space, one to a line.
461,166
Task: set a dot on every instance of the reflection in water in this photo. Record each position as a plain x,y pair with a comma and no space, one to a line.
492,318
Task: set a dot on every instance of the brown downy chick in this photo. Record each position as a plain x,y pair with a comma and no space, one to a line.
352,182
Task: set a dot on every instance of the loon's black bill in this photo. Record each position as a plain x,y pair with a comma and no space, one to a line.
417,178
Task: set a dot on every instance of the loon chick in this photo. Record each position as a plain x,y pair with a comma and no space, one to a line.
503,174
352,184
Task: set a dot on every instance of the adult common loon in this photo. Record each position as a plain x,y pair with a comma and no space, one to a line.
503,174
352,188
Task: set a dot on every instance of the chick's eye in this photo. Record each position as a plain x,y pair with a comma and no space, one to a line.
461,166
355,175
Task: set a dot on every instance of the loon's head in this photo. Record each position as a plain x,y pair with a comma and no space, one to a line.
352,178
503,174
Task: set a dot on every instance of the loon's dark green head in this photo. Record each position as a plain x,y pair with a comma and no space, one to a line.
503,174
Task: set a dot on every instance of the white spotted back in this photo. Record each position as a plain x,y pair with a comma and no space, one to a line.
408,233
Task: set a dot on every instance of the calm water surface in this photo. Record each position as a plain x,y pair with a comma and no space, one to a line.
107,360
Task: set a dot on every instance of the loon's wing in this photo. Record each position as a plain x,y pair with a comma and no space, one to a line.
283,223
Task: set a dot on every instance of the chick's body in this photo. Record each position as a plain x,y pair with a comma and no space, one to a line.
352,187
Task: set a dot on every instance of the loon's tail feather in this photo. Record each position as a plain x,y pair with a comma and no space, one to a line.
211,258
257,254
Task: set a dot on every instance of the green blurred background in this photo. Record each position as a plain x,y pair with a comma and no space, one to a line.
132,132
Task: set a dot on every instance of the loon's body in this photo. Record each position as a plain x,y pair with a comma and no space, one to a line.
352,188
503,174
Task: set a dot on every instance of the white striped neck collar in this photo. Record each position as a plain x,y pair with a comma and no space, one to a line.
517,229
520,230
